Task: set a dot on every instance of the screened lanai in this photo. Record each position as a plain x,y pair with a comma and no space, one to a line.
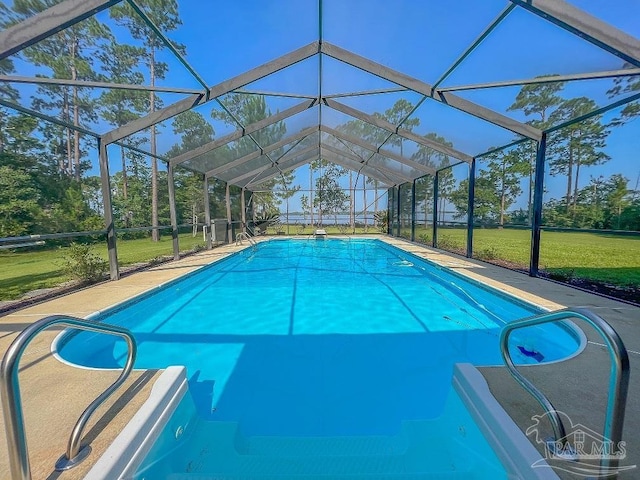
499,130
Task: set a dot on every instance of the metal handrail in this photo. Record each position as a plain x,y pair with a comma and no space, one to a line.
244,235
11,401
618,379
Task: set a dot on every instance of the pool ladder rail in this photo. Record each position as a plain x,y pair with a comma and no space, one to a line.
618,379
245,236
12,404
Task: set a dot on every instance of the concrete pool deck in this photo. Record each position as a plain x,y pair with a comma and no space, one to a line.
54,394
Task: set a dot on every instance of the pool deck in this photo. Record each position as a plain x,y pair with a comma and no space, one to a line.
54,394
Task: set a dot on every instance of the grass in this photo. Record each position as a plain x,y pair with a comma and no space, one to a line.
24,271
613,259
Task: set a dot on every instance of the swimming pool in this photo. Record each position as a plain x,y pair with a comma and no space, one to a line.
298,338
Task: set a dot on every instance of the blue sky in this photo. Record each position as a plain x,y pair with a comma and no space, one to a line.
417,37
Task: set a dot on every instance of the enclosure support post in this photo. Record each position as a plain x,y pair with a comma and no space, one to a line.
398,211
413,211
114,271
172,212
243,210
389,205
207,213
470,205
227,197
434,242
538,193
250,212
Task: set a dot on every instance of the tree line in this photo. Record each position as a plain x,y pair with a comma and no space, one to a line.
46,186
503,176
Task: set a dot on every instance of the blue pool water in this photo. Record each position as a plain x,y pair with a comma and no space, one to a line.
450,446
330,338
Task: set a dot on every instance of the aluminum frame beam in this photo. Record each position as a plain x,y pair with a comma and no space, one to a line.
234,163
47,118
625,72
363,162
360,167
142,152
46,23
105,186
581,118
275,94
384,153
160,34
401,132
374,171
485,33
427,90
173,213
586,26
252,128
367,92
88,84
389,178
284,158
258,153
213,93
272,172
273,175
343,159
367,169
84,131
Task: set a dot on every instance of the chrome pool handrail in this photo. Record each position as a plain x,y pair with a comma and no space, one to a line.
244,235
618,379
12,404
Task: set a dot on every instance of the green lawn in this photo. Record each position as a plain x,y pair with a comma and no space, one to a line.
606,258
602,257
24,271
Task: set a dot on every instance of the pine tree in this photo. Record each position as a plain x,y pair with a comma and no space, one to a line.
164,14
576,146
398,113
118,106
504,170
193,131
68,54
626,85
537,100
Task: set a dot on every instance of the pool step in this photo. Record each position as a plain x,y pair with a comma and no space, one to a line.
325,446
417,452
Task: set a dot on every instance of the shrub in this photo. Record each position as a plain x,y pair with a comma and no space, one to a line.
424,238
382,220
445,242
489,253
83,264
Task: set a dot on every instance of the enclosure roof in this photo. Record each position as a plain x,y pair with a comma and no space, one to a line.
332,96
